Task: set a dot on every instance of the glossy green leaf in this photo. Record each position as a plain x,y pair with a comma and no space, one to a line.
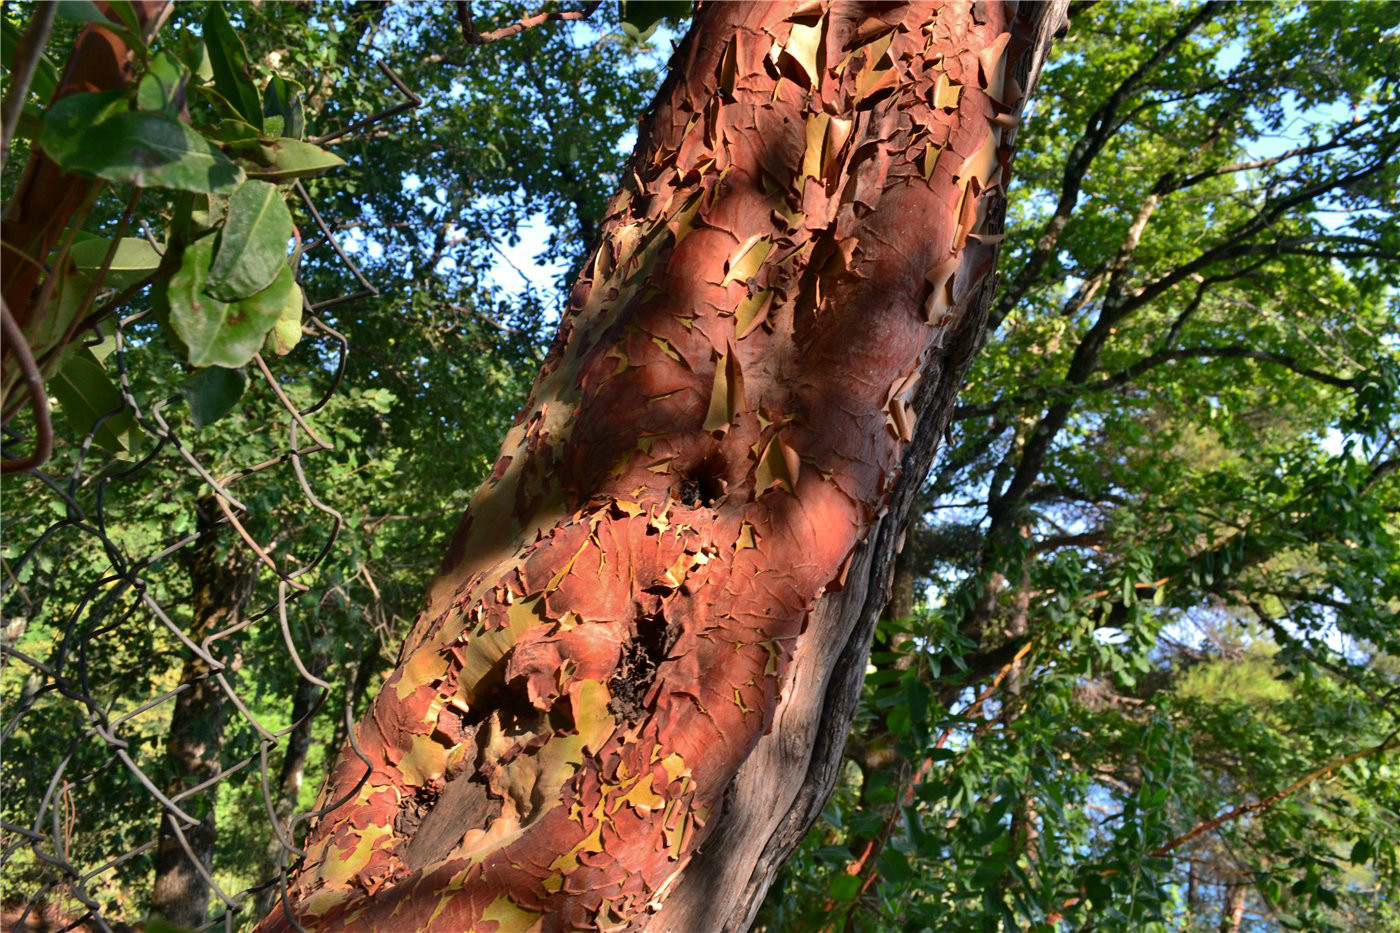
286,159
197,60
218,333
162,87
149,150
213,392
235,133
282,98
68,121
253,244
135,259
229,61
85,11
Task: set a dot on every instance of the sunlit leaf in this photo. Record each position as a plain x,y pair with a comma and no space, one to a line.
217,333
229,61
253,244
286,159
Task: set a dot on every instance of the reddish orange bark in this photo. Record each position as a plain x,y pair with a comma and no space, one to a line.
718,424
46,196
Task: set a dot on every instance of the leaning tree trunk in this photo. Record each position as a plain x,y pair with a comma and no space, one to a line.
626,696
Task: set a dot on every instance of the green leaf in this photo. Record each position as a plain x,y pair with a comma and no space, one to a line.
253,244
843,887
1361,852
67,122
149,150
640,18
197,59
162,87
217,333
135,259
85,393
282,98
232,132
286,333
286,159
85,11
229,60
45,78
894,865
213,392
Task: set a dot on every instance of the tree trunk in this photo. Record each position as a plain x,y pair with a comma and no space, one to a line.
221,584
626,697
1233,915
306,699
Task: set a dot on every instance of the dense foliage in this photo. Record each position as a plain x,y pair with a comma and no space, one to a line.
1154,578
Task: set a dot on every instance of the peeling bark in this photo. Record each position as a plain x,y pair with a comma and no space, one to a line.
46,197
626,696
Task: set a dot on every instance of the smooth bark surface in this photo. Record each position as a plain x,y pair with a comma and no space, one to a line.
647,636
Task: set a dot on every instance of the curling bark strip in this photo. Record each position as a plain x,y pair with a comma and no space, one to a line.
799,241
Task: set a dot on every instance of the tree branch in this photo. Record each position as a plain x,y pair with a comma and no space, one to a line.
1268,802
537,18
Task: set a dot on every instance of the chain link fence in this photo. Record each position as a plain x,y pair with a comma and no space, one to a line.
100,748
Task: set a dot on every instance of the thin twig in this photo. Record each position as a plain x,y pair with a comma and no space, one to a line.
537,18
27,57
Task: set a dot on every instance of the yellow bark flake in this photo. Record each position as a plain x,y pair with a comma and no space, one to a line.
877,71
340,865
816,141
591,717
666,348
940,300
509,917
747,259
728,67
777,467
425,666
641,797
931,153
593,842
485,649
558,578
751,312
675,766
804,46
726,394
683,221
424,761
946,94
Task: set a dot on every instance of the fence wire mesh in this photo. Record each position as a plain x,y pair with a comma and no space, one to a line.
101,752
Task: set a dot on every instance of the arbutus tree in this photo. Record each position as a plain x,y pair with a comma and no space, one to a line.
625,698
